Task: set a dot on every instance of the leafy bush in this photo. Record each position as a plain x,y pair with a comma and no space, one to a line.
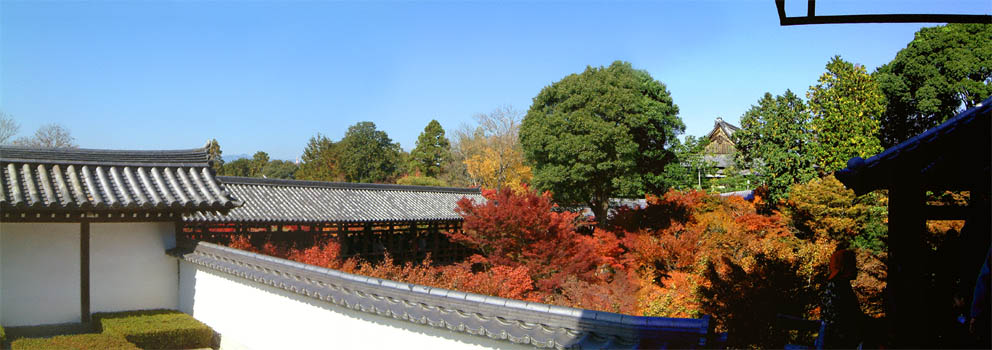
74,342
3,336
156,329
413,180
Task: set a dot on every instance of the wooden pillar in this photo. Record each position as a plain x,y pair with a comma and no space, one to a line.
84,271
906,303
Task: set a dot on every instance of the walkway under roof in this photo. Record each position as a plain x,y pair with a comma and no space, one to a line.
279,201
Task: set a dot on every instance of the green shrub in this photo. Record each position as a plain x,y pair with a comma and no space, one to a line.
156,329
74,342
3,336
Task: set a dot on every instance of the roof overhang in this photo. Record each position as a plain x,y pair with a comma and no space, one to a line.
954,155
812,18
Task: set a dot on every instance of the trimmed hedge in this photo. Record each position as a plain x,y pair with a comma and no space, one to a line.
74,342
156,329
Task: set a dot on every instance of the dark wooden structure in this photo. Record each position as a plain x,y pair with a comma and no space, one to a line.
368,220
812,18
952,156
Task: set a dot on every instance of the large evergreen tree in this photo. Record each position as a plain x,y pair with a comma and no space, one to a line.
845,106
320,160
774,143
942,71
368,155
432,151
604,133
214,155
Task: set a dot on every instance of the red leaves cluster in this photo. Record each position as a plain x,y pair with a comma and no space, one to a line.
685,254
524,229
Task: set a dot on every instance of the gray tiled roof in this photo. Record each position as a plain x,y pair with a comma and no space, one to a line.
273,200
88,180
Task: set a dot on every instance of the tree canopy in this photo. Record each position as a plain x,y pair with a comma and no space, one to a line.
690,167
942,71
320,160
432,150
845,106
49,136
604,133
8,127
774,142
368,155
214,155
491,152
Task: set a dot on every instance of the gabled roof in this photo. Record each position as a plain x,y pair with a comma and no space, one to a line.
34,180
954,155
719,124
297,201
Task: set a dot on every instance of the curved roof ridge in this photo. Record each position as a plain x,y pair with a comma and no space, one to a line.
342,185
86,156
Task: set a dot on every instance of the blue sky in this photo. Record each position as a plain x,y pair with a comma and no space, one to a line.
267,76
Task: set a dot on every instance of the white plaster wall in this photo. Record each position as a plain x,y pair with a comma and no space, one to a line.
129,269
39,266
249,315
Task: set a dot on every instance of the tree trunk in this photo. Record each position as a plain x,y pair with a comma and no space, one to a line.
600,208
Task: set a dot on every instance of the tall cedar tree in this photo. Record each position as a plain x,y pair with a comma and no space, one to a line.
368,155
774,142
942,71
604,133
320,160
258,161
214,155
846,105
432,151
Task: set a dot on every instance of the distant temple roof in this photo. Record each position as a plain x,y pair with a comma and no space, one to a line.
296,201
727,128
38,180
954,155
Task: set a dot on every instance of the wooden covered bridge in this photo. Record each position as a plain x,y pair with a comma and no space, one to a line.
368,220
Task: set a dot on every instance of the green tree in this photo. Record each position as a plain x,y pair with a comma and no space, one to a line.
368,155
943,70
213,154
845,105
690,167
320,160
258,161
279,169
604,133
432,151
237,167
774,142
420,181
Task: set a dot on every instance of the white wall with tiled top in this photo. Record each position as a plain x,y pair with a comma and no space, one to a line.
40,274
39,266
129,269
251,315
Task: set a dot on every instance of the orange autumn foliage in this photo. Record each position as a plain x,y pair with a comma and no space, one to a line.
684,255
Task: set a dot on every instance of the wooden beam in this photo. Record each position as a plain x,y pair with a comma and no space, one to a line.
906,300
84,271
946,212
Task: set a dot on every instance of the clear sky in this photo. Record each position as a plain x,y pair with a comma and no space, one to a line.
267,75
